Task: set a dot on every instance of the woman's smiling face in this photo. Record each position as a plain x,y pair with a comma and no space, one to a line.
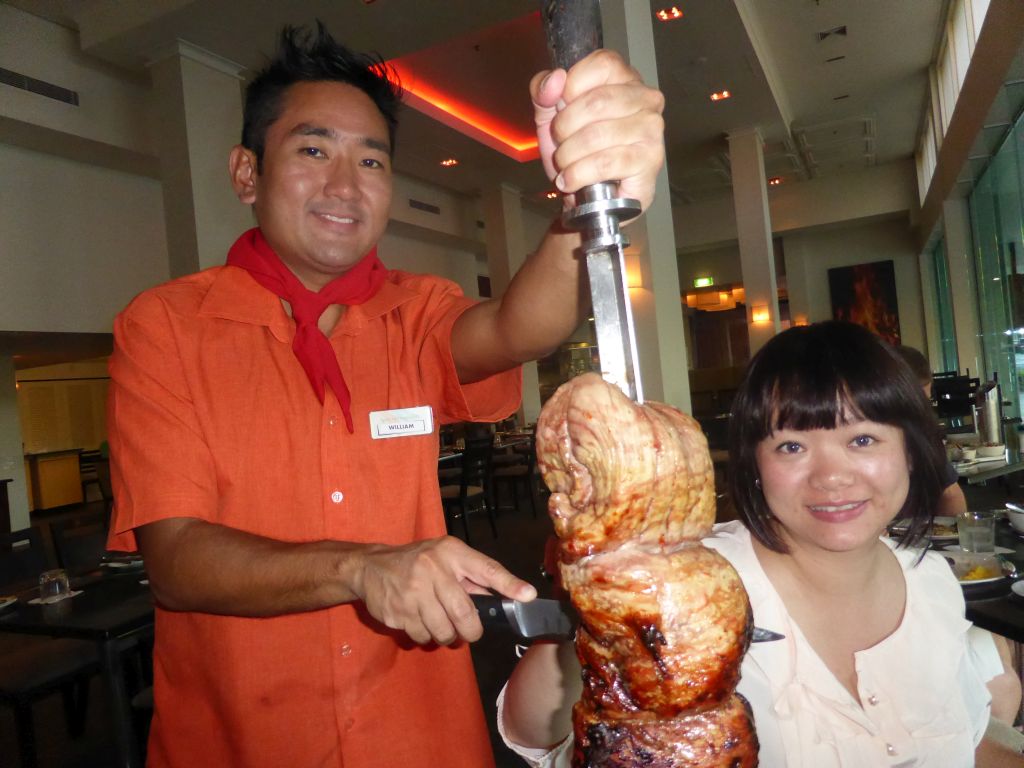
834,489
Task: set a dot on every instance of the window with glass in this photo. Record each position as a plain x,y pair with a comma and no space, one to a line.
997,222
943,300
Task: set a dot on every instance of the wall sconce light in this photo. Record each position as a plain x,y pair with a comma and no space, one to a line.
634,278
800,320
759,314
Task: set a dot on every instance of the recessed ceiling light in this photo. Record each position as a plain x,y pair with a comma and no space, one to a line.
449,162
720,96
669,14
774,181
551,195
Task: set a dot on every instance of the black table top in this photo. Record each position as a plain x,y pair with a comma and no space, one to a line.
993,606
111,605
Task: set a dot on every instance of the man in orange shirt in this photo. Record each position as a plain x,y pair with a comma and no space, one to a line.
310,609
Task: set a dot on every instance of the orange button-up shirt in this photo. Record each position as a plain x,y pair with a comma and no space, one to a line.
211,416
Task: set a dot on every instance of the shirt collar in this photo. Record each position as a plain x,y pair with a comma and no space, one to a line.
235,296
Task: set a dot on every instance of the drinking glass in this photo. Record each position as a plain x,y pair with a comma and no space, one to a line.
53,585
977,531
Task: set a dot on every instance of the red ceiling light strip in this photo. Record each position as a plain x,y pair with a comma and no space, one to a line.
720,96
466,119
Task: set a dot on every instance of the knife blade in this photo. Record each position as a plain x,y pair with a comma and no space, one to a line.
536,619
546,618
573,30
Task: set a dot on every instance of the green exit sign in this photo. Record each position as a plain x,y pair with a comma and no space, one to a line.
703,282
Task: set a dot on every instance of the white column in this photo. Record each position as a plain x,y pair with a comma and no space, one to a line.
657,306
754,232
956,225
197,120
12,459
506,251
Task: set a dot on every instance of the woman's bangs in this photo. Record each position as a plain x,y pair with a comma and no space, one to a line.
804,402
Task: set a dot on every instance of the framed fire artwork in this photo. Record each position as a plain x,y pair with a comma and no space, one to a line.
866,294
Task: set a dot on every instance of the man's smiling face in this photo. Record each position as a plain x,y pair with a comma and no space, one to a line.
323,192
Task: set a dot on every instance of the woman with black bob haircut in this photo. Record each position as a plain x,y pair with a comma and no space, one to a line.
817,377
831,440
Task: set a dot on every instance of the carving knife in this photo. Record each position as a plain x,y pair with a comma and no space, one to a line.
573,30
550,619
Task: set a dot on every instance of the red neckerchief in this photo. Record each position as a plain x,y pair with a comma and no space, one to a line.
252,253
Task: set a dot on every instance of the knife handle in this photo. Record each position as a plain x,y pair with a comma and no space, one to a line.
573,29
491,610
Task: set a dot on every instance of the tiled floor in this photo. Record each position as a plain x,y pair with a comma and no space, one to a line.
519,547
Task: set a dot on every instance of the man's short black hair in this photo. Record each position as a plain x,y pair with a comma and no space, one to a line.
304,56
917,361
817,377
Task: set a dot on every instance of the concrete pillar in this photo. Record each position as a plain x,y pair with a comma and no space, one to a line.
956,226
12,459
197,120
506,251
754,232
654,291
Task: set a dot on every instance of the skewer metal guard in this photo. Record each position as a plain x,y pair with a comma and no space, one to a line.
598,214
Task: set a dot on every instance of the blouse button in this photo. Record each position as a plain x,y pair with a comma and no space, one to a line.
890,750
337,496
872,700
332,420
346,649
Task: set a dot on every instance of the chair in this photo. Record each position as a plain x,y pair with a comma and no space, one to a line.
473,492
87,461
79,543
32,667
521,473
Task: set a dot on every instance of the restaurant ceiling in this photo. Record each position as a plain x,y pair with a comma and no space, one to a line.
825,101
825,104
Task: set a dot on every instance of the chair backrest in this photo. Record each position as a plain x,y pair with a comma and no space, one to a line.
103,478
79,542
22,558
476,462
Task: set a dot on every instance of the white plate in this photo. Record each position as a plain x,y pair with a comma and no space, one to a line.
122,564
1018,588
6,600
980,581
998,550
968,463
899,526
964,562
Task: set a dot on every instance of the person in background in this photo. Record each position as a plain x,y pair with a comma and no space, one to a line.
952,501
310,609
830,440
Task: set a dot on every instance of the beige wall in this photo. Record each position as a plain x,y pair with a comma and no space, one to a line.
113,106
78,242
809,255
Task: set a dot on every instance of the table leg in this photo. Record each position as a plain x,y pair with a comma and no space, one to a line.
120,706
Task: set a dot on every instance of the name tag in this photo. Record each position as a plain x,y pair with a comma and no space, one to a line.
401,422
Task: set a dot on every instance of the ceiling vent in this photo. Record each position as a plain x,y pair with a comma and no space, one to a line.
834,32
30,84
419,205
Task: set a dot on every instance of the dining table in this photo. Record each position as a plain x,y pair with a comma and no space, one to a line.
113,605
993,605
979,471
